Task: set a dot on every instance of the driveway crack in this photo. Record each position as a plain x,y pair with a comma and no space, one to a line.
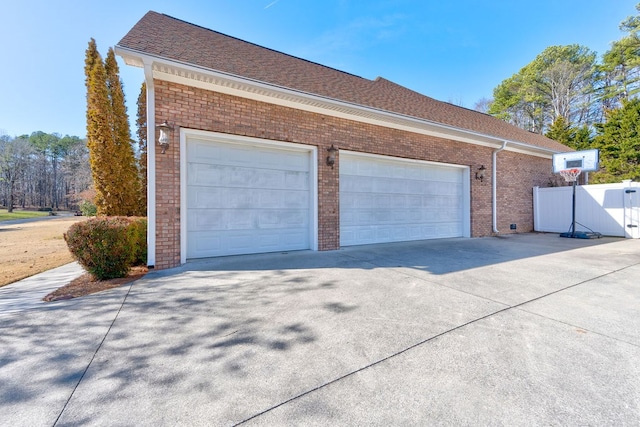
427,340
582,328
64,407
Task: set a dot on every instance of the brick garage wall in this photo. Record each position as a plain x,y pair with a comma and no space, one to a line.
194,108
517,175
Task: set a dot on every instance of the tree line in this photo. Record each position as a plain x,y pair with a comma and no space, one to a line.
45,171
570,95
108,169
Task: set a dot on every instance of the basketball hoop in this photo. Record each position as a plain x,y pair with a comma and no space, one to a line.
570,175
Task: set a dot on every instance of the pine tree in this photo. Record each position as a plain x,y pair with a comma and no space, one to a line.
577,138
141,124
561,131
619,143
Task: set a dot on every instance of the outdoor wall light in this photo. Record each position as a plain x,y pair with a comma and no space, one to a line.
331,158
163,140
480,173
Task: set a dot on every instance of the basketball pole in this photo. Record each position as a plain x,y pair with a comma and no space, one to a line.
570,165
572,176
573,213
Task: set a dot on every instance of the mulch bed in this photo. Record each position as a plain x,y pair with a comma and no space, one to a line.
87,284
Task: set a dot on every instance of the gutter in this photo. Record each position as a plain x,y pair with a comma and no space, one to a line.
494,186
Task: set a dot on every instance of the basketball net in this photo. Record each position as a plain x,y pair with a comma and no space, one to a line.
570,175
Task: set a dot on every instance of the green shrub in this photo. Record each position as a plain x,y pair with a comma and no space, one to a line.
138,230
107,247
88,209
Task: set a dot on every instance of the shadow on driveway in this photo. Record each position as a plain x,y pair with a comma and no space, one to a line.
433,256
525,328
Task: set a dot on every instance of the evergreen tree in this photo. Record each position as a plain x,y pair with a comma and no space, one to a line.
561,131
99,134
141,124
619,142
126,178
577,138
583,138
621,65
111,154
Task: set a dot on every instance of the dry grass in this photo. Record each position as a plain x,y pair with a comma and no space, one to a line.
34,247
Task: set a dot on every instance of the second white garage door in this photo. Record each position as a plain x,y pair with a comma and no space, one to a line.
386,199
247,197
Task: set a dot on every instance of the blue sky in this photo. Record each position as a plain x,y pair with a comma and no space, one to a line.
455,51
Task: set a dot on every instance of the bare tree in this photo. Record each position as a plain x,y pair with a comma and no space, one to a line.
483,105
14,160
76,173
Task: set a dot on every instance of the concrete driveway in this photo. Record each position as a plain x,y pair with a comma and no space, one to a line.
528,329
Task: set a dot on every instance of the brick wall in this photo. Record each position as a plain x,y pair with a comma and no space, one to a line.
195,108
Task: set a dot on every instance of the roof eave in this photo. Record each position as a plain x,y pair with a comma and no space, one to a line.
205,78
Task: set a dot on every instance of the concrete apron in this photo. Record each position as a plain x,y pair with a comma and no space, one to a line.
520,330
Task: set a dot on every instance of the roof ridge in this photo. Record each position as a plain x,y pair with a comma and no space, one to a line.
381,79
259,46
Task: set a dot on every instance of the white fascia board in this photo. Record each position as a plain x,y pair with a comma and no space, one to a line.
203,78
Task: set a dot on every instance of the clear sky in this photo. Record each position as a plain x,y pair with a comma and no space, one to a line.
455,51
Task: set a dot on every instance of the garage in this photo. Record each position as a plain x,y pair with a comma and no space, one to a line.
246,195
387,199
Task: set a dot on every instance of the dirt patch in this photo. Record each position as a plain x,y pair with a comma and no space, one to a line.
33,247
86,284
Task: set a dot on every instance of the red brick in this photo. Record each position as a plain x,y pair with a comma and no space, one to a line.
216,112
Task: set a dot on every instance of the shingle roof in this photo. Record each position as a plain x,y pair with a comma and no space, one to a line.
170,38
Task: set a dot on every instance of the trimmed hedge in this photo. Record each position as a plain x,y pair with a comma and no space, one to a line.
107,247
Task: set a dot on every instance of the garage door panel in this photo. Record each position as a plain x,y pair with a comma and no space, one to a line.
356,183
203,151
246,199
240,219
214,197
239,177
271,199
296,180
385,200
211,244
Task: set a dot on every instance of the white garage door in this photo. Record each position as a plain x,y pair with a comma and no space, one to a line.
385,199
246,198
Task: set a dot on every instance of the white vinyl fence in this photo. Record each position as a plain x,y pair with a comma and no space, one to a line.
610,209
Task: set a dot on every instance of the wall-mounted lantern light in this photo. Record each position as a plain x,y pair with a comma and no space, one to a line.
331,158
163,140
480,173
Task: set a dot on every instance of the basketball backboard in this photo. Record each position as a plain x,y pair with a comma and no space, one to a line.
586,160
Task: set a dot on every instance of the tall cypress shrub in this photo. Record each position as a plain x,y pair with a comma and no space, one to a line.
141,124
99,134
111,154
127,178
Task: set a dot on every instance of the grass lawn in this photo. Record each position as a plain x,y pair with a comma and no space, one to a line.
5,216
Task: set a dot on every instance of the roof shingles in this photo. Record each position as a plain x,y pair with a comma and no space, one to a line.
170,38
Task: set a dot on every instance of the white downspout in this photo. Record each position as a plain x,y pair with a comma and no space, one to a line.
151,165
494,186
